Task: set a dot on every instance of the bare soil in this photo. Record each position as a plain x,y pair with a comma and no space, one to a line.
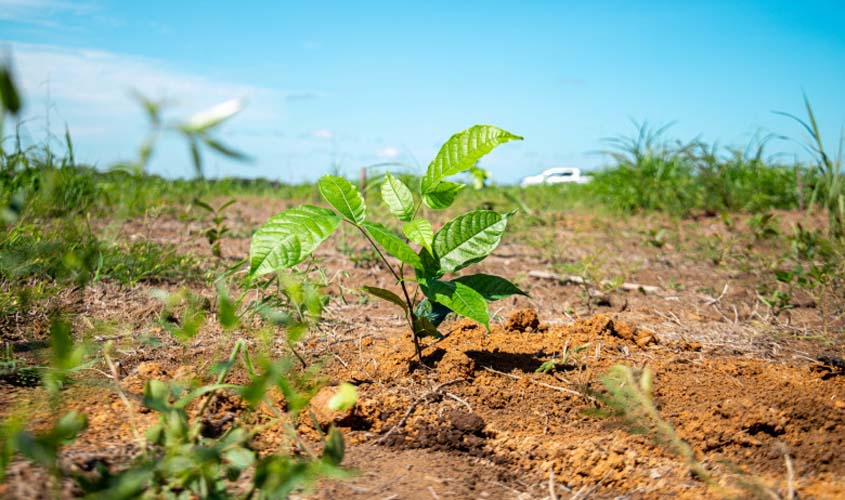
747,389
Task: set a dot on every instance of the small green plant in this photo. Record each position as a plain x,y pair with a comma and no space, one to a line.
479,177
218,229
715,249
763,226
656,237
66,359
591,274
16,371
829,189
290,237
565,355
183,313
365,257
189,452
774,298
628,395
292,301
196,130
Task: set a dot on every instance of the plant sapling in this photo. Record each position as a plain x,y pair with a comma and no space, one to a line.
289,237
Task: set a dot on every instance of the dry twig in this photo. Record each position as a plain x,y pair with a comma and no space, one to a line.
542,384
577,280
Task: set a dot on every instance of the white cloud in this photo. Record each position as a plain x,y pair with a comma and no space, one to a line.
389,152
323,134
40,11
99,82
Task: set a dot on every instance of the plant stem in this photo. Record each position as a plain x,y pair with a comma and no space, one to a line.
401,281
240,344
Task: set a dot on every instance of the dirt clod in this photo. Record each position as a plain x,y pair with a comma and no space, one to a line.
523,320
352,418
150,370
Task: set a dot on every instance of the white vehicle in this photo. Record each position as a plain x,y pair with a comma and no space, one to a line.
560,175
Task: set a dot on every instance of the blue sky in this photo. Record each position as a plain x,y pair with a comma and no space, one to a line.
354,85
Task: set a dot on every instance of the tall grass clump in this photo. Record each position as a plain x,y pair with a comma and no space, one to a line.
651,172
827,188
744,180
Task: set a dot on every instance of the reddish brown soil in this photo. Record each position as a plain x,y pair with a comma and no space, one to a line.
742,386
497,409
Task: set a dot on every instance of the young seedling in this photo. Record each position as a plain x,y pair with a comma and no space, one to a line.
288,238
215,232
628,395
554,364
196,130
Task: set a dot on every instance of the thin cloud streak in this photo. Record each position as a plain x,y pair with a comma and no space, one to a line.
40,12
99,82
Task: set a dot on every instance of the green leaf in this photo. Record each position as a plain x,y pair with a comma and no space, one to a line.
196,157
239,458
227,308
210,118
462,151
546,366
224,149
490,287
423,327
434,312
420,232
397,197
333,450
267,256
286,239
393,244
443,195
468,238
386,295
67,428
152,108
462,299
344,197
345,397
205,206
61,344
9,97
157,395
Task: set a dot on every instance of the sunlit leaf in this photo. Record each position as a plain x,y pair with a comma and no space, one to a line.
393,244
420,232
239,458
462,299
468,238
205,120
397,197
344,197
345,397
462,151
287,238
